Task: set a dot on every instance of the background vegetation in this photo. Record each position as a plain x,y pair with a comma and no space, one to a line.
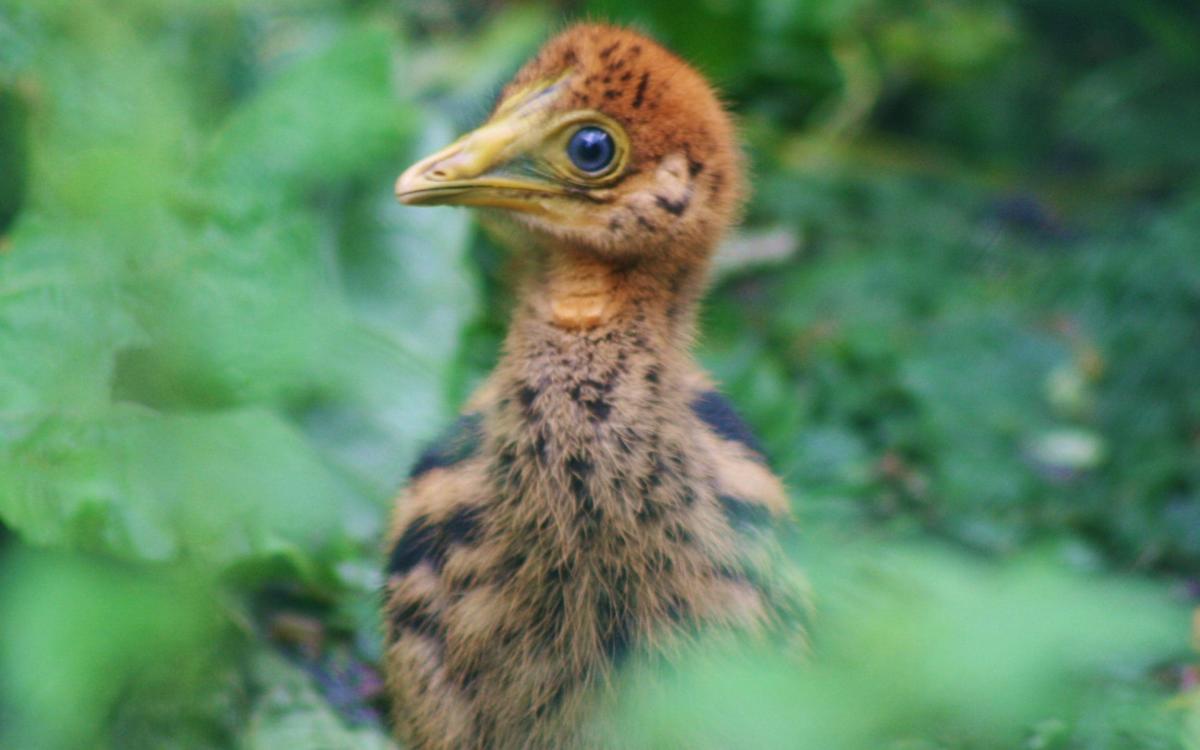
963,313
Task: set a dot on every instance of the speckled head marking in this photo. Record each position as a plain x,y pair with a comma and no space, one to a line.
673,183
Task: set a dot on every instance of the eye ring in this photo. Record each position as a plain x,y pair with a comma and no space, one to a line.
592,149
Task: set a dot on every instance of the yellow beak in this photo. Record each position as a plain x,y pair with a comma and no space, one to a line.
490,166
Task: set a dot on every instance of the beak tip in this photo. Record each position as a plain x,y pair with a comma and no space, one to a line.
404,188
401,186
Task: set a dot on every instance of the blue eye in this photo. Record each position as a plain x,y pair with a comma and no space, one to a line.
591,149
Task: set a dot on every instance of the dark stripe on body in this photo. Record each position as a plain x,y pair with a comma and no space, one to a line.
426,541
744,516
459,442
415,617
614,617
715,411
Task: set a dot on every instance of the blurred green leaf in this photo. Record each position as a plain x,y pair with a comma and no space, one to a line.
80,633
911,647
317,121
218,488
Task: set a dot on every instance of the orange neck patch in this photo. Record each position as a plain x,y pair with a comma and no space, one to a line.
582,295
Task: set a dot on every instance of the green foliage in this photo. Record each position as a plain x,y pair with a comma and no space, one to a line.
964,307
80,633
919,650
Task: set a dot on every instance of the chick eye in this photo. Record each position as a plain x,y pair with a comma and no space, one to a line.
591,149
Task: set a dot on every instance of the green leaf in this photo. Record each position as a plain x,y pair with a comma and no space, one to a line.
917,646
82,634
61,324
316,122
217,488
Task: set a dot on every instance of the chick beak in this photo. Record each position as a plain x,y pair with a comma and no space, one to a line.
484,167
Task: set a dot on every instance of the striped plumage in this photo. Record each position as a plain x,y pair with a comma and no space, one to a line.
598,499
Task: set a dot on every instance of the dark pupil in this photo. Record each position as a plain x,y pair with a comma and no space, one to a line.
591,149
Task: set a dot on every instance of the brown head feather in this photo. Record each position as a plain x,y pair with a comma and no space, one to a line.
682,186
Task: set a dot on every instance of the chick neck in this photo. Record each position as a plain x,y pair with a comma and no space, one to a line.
578,293
594,395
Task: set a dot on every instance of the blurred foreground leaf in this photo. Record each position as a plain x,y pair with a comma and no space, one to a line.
82,635
918,647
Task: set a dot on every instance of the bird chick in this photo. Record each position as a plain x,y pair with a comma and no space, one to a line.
597,499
